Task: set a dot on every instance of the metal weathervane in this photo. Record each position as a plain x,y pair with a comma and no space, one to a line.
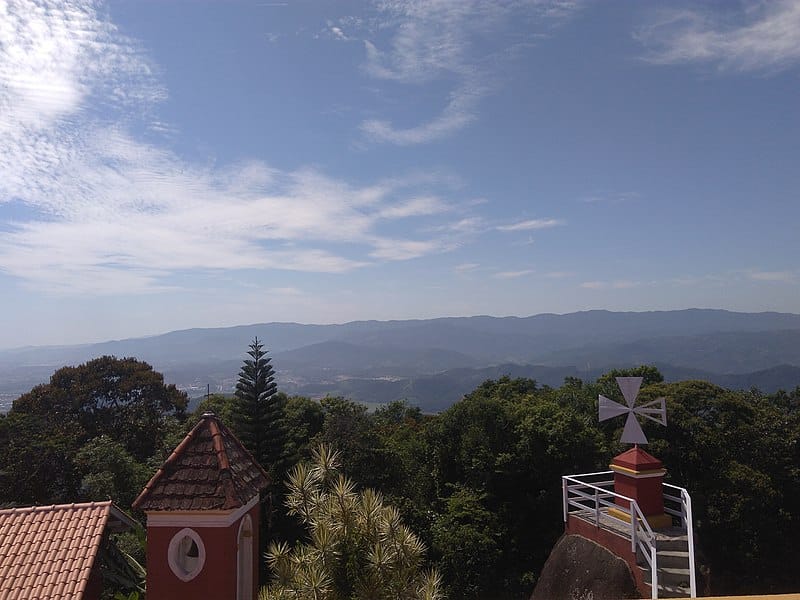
655,410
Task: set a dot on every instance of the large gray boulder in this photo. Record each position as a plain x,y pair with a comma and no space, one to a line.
580,569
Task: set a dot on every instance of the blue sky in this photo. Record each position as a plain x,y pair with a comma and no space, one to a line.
174,164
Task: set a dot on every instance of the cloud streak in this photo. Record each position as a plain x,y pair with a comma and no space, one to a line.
438,40
459,112
531,225
109,214
762,36
774,276
610,285
513,274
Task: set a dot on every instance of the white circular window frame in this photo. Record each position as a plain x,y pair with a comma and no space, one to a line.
172,552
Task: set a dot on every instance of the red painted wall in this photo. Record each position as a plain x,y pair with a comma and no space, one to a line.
216,580
647,492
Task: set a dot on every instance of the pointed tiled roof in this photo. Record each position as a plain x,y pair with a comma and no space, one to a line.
49,551
209,470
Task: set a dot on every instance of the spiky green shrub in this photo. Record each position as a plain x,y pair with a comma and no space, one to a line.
358,547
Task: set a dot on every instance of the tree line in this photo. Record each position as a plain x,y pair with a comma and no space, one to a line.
477,486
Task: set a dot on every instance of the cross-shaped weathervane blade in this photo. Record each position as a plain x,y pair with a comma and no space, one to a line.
655,410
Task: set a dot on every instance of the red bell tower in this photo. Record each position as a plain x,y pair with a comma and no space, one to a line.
202,510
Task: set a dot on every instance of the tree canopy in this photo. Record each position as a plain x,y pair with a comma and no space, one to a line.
121,406
478,484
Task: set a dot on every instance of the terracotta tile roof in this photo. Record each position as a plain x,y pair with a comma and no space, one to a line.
49,551
209,470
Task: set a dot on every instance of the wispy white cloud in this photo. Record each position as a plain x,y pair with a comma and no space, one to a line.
610,285
776,276
109,213
388,249
724,279
466,267
286,291
744,37
513,274
415,207
335,31
436,40
466,225
611,197
531,224
338,33
458,113
53,55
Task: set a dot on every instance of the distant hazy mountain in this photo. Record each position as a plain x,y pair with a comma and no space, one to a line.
724,352
435,361
437,392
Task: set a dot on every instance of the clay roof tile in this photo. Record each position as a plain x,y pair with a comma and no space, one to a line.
49,551
209,470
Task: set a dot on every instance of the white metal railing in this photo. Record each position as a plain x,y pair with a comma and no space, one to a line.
589,498
684,513
588,494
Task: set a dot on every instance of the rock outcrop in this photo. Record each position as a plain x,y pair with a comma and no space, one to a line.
580,569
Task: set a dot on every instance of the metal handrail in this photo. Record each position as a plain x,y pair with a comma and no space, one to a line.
642,540
587,496
687,522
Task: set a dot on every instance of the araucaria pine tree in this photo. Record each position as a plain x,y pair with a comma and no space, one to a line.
260,416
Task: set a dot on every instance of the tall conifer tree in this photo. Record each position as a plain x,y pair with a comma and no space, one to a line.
261,420
260,424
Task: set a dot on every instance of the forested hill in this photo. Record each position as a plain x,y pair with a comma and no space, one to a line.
430,360
478,485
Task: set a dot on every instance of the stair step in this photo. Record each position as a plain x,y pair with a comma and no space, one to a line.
665,558
671,591
670,576
680,543
672,558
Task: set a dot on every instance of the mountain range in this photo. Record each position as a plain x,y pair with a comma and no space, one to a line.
433,362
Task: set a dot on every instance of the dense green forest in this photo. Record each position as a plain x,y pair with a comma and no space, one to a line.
478,484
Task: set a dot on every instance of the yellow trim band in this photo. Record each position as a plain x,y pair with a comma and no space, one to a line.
661,521
621,469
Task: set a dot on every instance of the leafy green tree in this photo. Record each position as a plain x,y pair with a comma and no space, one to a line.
36,460
359,547
467,541
353,430
404,441
260,420
648,373
109,472
304,421
123,398
510,441
737,454
224,406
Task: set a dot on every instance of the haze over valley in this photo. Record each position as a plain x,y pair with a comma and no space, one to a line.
433,362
